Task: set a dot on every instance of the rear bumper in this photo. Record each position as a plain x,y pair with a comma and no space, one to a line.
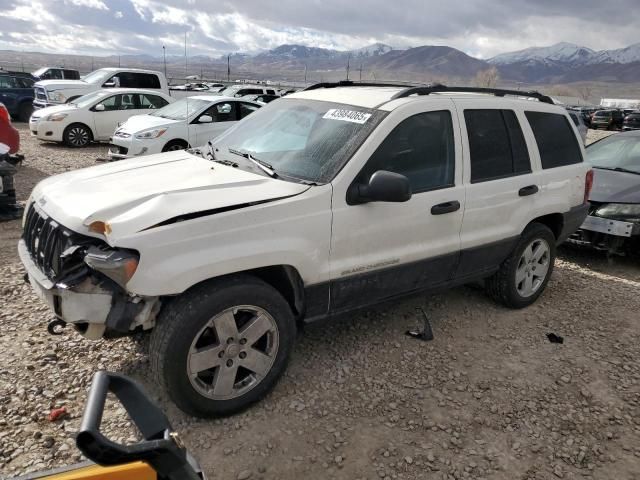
572,220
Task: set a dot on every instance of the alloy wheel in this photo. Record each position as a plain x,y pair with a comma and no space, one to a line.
533,267
233,352
78,137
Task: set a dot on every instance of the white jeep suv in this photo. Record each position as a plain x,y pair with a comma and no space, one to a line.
331,199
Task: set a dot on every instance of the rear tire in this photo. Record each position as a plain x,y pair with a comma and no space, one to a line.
77,135
206,357
524,275
25,111
174,145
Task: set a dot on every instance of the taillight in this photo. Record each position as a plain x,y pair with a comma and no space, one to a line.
4,114
588,185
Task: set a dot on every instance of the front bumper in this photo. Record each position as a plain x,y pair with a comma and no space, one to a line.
129,147
88,311
38,104
608,235
95,310
50,131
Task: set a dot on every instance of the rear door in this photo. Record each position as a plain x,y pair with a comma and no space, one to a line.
500,186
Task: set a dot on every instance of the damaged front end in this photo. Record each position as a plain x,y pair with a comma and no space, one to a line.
83,279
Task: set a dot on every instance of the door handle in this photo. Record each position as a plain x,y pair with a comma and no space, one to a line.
447,207
530,190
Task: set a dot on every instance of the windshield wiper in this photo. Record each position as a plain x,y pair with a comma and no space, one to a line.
264,166
618,169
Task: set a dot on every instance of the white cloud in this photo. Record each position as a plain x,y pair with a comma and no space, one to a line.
118,14
97,4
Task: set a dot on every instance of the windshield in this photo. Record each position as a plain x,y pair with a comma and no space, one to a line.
94,77
90,98
616,151
603,114
304,139
182,109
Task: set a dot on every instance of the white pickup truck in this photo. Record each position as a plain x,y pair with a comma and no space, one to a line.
56,92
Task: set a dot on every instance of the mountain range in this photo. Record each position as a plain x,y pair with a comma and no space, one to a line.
560,64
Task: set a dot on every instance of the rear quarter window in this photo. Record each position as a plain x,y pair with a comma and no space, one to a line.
556,139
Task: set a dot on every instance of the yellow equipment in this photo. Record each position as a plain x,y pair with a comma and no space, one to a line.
160,456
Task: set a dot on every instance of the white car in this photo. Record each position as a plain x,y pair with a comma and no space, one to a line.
188,122
56,92
93,117
324,202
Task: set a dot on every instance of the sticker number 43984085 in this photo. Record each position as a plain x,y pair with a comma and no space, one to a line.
347,115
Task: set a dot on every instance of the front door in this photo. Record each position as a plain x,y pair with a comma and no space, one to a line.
223,116
380,250
117,108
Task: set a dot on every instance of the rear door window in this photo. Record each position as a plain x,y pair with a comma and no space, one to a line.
247,109
496,143
151,101
556,140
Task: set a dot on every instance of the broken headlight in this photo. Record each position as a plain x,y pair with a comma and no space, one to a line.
627,212
118,265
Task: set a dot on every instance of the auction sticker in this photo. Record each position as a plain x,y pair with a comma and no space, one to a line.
347,115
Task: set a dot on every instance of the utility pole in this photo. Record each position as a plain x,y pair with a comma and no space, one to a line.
348,65
92,64
360,72
118,61
228,67
164,60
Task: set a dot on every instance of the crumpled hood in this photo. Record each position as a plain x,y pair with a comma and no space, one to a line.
136,194
615,187
138,123
53,85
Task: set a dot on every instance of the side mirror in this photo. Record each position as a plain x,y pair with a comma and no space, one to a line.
383,186
205,119
109,85
99,108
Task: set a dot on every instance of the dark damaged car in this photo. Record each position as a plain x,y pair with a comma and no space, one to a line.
613,223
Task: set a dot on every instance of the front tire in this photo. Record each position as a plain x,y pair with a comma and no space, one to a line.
222,345
174,145
77,135
524,275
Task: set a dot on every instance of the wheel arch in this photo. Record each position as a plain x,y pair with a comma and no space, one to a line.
181,141
284,278
554,221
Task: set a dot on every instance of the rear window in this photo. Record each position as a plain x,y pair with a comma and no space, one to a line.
496,144
556,140
602,114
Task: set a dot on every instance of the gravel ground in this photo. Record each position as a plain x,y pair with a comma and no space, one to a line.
489,398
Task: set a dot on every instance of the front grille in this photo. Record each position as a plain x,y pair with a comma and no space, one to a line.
45,240
41,93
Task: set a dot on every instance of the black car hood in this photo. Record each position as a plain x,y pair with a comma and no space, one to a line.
615,187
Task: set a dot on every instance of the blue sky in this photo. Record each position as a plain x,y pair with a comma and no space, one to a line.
480,28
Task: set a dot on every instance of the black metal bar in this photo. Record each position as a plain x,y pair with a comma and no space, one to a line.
350,83
498,92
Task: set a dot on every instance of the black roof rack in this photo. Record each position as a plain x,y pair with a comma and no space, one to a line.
498,92
351,83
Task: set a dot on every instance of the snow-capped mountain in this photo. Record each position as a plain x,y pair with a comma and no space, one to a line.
372,50
561,52
569,53
629,54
